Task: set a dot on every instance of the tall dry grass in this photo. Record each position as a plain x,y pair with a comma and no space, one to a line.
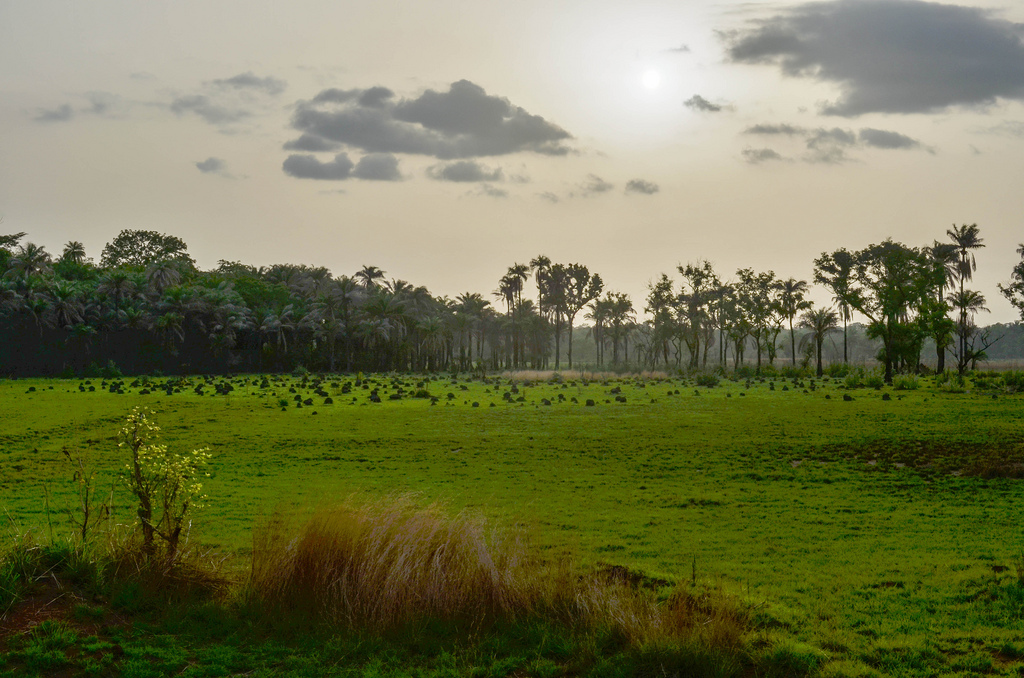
385,564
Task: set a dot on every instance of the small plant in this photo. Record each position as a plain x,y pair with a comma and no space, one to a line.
707,379
905,382
300,371
874,380
166,484
951,382
1013,381
854,379
111,371
87,515
838,370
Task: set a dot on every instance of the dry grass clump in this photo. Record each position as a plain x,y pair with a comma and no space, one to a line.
385,564
382,565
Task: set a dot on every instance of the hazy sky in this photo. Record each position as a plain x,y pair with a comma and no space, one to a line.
443,141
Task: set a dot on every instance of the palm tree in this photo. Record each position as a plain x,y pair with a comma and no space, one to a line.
29,260
162,274
118,285
791,302
475,306
74,252
66,307
965,239
820,322
836,271
970,303
945,261
368,277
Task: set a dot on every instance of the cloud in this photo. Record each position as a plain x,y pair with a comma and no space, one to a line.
463,122
62,113
102,103
595,185
878,138
758,155
682,49
212,166
465,170
490,191
308,167
788,130
549,196
377,167
825,138
829,146
642,186
891,56
202,106
311,144
1012,128
699,103
249,81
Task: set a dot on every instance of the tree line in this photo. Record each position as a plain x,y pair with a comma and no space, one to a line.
146,306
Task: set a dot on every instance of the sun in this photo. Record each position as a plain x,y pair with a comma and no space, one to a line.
651,79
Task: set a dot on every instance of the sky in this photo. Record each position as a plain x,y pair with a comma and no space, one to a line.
444,141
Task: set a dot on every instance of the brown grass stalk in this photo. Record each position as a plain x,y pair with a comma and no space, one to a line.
386,564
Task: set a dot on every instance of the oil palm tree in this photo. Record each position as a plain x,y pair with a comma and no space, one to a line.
965,238
368,277
74,252
29,260
820,322
836,270
791,302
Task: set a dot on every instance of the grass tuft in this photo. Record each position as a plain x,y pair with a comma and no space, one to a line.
391,564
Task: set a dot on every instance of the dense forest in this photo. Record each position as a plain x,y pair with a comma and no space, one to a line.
146,308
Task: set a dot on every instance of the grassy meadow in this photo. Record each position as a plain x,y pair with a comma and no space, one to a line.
875,530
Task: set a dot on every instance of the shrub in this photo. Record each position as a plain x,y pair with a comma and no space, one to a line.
951,382
874,380
1013,381
111,371
854,379
837,370
166,484
706,379
905,382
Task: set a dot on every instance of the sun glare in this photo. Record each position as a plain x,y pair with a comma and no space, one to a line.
651,79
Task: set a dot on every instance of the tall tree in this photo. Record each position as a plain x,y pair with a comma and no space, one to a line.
835,271
368,277
139,249
891,281
820,322
791,302
945,260
576,288
965,238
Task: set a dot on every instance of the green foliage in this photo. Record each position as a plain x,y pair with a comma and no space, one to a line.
708,379
838,370
167,485
854,378
111,371
906,382
139,249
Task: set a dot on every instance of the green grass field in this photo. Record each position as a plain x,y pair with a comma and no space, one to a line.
884,531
